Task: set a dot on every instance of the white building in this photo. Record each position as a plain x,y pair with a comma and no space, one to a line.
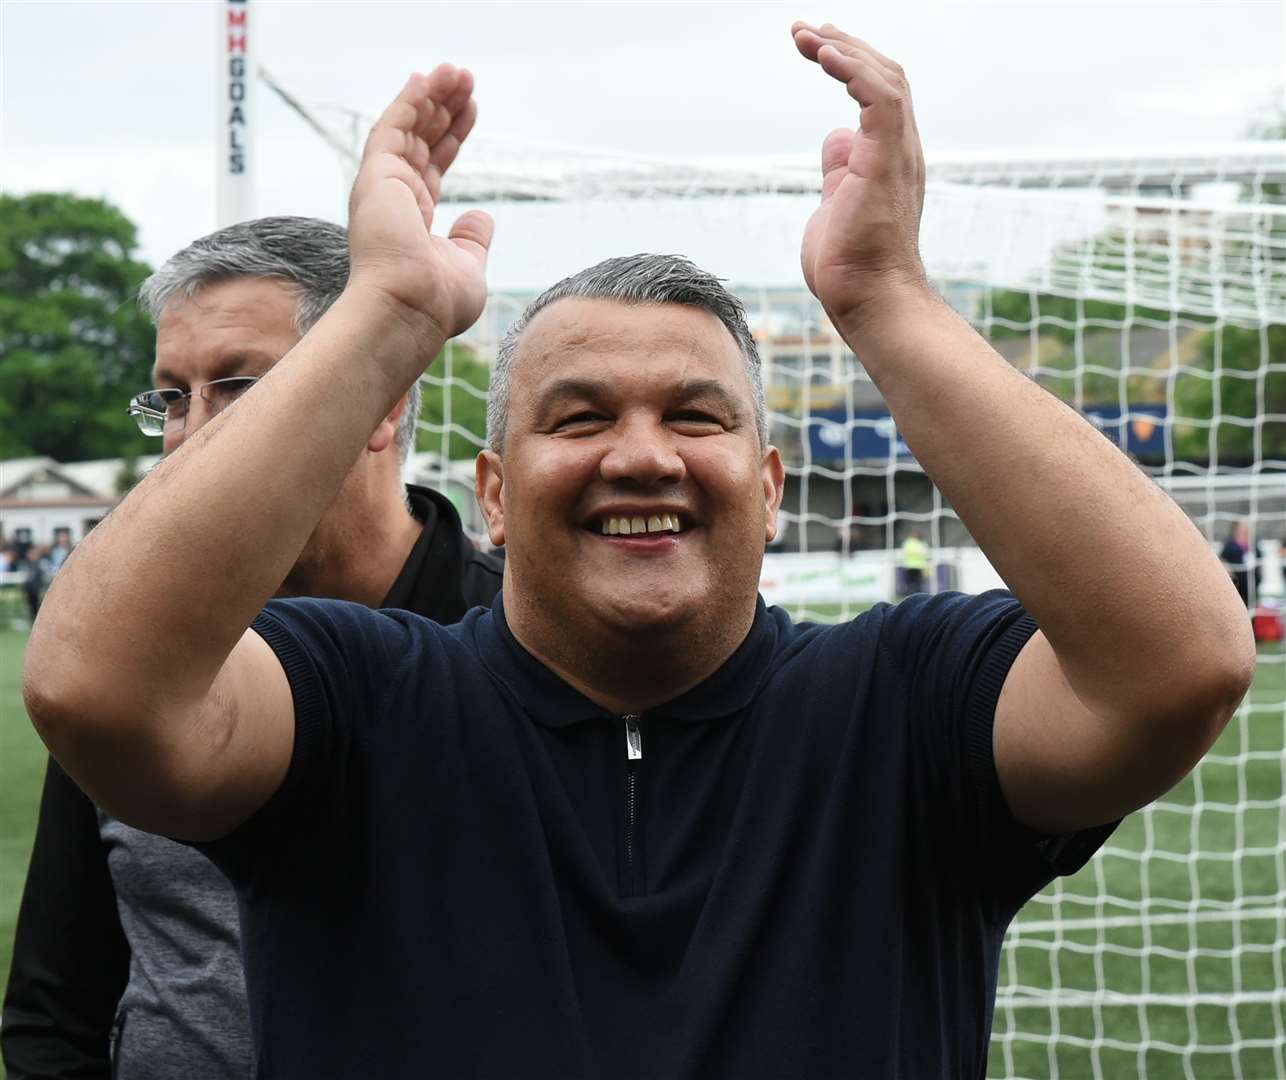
39,495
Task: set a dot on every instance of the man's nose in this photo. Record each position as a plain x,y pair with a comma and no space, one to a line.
198,415
644,453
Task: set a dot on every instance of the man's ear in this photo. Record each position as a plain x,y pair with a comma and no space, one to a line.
489,487
774,489
386,434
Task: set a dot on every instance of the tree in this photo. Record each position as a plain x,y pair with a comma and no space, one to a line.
1079,340
1223,412
73,343
457,365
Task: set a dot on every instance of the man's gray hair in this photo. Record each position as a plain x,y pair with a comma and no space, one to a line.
632,279
309,255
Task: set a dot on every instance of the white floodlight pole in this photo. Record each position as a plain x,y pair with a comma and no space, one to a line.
235,122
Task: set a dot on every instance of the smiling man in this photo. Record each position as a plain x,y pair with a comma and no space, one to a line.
631,822
628,448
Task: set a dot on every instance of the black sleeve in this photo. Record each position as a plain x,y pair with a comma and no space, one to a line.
70,956
342,660
955,652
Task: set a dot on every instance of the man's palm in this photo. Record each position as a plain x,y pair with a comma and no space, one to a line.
441,279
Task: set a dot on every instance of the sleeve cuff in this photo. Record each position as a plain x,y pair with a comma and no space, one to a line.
1054,855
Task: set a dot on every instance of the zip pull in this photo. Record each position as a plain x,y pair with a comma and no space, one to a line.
633,739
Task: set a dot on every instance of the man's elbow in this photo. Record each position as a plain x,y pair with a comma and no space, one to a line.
1214,683
48,693
63,699
1238,671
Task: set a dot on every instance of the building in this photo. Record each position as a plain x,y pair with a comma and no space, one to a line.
39,495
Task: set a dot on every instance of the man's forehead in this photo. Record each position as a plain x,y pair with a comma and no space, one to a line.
244,323
260,300
580,329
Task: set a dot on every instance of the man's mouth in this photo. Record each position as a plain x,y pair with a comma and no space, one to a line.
639,525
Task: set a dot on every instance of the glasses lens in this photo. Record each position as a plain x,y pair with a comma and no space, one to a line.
148,423
154,409
223,392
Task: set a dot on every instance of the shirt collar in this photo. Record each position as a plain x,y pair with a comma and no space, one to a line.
429,581
551,702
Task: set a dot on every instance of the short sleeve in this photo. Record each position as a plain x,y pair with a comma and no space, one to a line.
955,652
342,661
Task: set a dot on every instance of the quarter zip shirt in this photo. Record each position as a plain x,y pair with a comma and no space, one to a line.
812,878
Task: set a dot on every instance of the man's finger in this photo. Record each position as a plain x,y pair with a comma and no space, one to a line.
836,149
444,151
866,84
472,231
400,116
831,32
809,39
416,152
449,91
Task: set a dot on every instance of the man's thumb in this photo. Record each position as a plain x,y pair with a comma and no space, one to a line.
473,230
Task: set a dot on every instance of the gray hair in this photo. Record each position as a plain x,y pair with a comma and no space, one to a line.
309,255
632,279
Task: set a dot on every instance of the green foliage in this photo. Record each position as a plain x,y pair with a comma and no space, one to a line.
439,388
1079,344
1059,315
1215,414
73,344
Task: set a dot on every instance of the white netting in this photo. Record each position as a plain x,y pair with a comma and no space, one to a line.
1147,289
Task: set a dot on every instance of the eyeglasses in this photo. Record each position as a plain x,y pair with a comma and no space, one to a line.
166,409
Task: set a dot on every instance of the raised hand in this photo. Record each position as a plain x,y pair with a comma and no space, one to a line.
438,283
863,241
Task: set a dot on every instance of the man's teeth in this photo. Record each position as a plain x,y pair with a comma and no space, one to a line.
636,526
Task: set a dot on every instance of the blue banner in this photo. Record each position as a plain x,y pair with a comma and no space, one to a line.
835,435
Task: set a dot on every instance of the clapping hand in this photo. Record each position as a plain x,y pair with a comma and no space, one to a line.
863,241
437,284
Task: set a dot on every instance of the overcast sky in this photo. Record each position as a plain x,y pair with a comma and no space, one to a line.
118,99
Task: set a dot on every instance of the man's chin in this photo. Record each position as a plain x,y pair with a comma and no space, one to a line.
647,613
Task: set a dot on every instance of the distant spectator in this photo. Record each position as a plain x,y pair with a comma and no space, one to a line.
915,561
58,552
34,586
21,547
843,538
1235,555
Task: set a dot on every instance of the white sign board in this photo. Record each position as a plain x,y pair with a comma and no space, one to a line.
826,578
234,120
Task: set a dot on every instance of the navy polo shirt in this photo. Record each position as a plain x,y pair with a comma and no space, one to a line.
801,867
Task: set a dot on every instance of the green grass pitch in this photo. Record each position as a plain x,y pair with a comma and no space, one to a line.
1216,921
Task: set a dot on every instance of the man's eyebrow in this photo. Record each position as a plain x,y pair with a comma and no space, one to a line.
223,368
711,388
594,389
571,388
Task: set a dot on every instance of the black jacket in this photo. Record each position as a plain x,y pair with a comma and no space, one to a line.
70,956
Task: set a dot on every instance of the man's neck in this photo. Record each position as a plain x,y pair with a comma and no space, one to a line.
629,672
358,561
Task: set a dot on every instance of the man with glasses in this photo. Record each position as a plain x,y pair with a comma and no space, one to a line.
127,943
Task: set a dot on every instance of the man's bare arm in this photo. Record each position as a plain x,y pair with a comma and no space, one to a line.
1144,649
140,673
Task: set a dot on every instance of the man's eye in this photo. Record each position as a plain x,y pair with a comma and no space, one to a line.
694,418
581,418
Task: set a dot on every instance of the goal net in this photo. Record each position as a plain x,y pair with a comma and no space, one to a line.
1148,290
